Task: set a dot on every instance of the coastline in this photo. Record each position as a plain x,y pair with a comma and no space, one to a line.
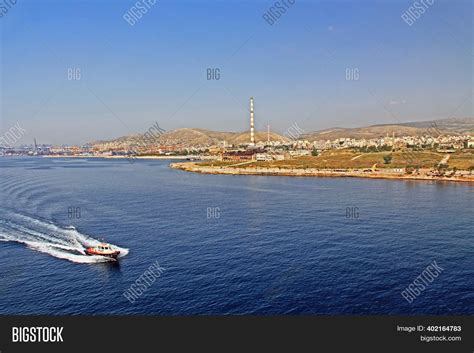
298,172
121,157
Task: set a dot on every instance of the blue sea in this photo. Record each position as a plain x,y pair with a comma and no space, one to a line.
228,244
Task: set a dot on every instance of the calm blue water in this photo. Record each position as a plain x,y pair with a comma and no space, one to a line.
281,245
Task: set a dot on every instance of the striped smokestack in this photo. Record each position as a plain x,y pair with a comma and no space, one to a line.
252,132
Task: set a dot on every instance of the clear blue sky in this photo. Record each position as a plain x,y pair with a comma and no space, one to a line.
132,76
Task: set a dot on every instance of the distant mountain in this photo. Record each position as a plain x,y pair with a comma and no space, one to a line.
192,137
202,137
452,126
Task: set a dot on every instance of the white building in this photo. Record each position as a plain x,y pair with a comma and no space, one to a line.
263,157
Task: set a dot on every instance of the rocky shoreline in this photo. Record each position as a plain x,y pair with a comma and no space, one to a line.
299,172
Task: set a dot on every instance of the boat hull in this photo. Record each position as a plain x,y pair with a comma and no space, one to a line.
92,251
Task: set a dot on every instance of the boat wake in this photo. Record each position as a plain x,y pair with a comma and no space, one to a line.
64,243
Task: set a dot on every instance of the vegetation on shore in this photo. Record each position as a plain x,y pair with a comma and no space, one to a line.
350,159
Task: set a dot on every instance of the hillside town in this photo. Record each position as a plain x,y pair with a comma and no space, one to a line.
261,150
423,150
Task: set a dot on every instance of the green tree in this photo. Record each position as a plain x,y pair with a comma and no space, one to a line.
314,152
387,159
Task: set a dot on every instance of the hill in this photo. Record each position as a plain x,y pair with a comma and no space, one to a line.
452,126
203,137
192,137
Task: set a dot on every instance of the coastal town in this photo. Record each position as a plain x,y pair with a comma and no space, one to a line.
427,156
286,148
440,150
